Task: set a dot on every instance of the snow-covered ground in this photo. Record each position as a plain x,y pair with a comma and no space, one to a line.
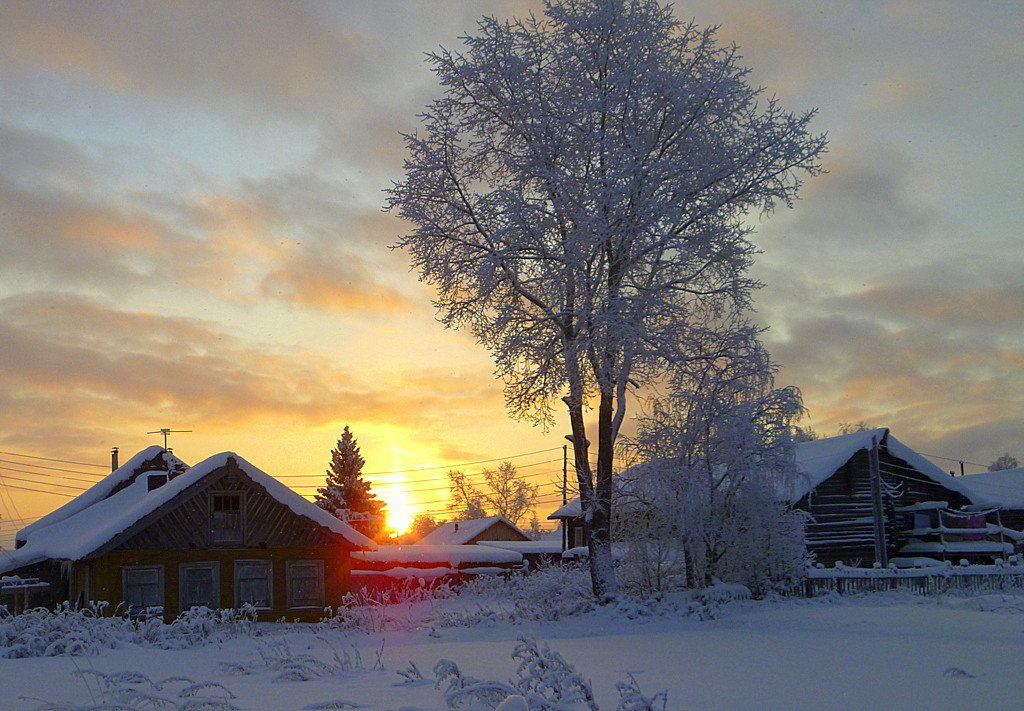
872,652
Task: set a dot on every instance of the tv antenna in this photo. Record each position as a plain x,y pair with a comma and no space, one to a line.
165,431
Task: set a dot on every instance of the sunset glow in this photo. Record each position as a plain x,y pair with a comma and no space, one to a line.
191,237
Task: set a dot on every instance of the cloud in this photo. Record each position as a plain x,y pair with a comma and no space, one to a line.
279,56
107,371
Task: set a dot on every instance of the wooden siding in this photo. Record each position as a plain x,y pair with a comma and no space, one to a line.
105,576
185,522
842,519
498,531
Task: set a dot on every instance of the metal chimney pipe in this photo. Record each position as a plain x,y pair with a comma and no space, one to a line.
113,459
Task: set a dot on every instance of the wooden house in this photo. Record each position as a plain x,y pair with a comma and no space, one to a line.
916,510
157,536
902,508
1004,489
465,533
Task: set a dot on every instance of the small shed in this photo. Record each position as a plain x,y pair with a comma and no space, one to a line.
464,533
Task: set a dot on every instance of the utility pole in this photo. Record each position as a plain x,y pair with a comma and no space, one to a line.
565,494
881,552
165,431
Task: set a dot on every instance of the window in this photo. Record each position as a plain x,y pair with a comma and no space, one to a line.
199,585
226,518
306,583
253,583
143,587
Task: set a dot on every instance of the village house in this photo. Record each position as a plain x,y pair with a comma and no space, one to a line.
157,536
912,512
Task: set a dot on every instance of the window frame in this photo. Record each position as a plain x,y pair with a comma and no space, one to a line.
127,570
318,566
238,539
183,568
269,565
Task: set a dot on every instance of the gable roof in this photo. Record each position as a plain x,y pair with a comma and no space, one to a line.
154,458
461,532
818,460
1003,488
573,509
94,525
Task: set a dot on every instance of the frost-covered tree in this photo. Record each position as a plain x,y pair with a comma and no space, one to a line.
467,500
1006,461
578,197
346,494
711,494
504,493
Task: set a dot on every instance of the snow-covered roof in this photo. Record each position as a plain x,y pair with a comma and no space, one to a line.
150,458
456,533
544,545
573,509
1003,488
450,554
77,535
818,460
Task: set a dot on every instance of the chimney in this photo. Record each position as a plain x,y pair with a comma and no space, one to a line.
456,527
113,459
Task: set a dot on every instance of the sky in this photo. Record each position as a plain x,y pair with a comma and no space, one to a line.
191,237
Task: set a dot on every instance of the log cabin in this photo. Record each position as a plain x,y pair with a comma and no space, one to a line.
921,511
915,510
158,537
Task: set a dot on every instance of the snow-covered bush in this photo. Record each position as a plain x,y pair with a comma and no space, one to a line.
134,691
709,499
69,630
542,679
544,594
278,659
377,610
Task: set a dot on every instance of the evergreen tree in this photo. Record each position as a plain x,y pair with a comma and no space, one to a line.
346,494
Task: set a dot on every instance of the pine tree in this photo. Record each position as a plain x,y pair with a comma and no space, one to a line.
346,494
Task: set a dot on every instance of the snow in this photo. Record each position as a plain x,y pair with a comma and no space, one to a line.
573,509
883,651
100,490
77,535
453,555
461,532
542,546
818,460
1003,488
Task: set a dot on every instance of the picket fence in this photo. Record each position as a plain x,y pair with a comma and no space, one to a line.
925,581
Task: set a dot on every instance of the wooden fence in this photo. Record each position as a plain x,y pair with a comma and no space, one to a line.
922,581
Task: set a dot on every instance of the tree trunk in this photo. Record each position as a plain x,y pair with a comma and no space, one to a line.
602,569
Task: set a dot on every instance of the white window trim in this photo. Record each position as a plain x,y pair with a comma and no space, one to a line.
159,568
212,565
269,565
316,564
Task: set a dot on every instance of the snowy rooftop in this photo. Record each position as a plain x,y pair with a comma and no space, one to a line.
550,543
572,509
456,533
426,554
818,460
75,536
1004,488
154,458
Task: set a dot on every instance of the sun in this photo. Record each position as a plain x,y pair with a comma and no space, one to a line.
400,511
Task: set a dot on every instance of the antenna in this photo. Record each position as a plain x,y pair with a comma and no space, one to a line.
166,431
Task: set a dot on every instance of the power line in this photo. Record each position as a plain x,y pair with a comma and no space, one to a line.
25,488
64,477
447,486
45,483
443,466
55,469
62,461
